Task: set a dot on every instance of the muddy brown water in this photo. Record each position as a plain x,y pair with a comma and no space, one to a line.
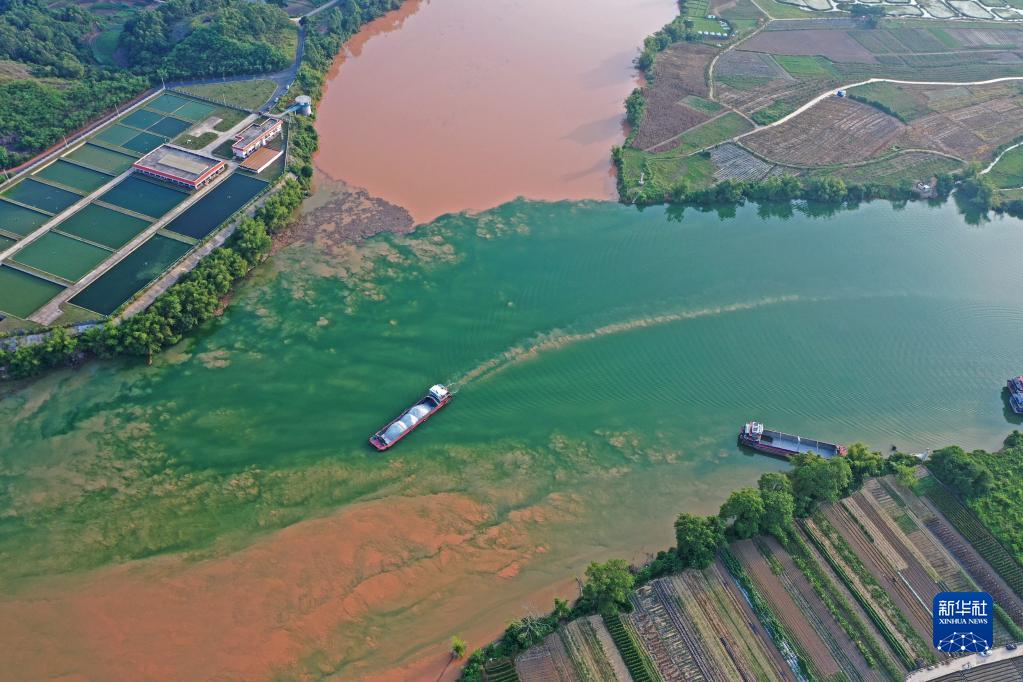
451,105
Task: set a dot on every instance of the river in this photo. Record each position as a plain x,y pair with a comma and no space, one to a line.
219,514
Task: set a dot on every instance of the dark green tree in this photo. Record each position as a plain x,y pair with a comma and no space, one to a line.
698,539
607,585
743,513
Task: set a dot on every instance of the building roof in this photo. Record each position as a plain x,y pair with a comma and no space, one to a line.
179,163
255,131
260,159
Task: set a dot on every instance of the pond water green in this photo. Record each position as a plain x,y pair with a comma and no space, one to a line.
101,158
143,196
63,256
103,225
139,268
74,176
42,196
202,217
169,126
19,220
22,294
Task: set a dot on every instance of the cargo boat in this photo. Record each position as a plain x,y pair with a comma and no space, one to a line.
754,435
437,397
1015,386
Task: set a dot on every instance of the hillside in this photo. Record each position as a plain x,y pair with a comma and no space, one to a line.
64,64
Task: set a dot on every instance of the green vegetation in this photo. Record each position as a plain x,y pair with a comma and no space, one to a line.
982,539
700,104
636,660
1008,172
839,607
244,94
201,38
890,99
198,142
878,596
773,112
806,67
711,133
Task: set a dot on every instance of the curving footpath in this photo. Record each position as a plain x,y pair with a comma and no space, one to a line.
830,92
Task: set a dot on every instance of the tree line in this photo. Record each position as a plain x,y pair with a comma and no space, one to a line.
771,508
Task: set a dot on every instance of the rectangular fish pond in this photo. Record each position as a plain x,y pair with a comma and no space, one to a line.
205,215
18,220
143,196
101,158
103,225
42,196
131,275
74,176
65,257
21,294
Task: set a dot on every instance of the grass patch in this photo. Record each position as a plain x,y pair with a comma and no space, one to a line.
244,94
899,170
198,142
777,10
105,44
1008,172
657,175
891,99
711,133
701,104
773,112
229,118
806,67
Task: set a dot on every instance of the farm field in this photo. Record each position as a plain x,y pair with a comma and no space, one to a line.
116,209
838,130
581,650
767,76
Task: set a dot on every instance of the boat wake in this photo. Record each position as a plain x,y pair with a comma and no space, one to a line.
557,339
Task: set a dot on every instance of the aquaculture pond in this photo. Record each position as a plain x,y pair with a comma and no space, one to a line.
205,215
125,279
143,196
103,225
21,293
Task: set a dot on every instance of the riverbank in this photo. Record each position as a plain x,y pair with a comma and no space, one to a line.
185,305
753,115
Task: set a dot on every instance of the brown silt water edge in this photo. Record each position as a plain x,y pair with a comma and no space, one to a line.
459,105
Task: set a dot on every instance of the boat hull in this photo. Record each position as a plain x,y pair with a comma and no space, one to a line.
378,441
1015,387
786,445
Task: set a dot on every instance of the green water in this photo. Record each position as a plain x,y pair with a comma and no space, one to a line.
598,352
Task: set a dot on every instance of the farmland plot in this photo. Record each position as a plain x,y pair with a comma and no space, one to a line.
590,646
753,64
669,637
548,661
787,610
838,46
679,71
732,161
835,131
879,589
842,647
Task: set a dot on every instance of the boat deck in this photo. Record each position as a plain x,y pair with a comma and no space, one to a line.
796,444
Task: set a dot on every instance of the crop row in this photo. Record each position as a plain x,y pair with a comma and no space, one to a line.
840,609
635,661
865,604
979,536
782,640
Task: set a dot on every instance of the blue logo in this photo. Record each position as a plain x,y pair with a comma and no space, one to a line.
963,621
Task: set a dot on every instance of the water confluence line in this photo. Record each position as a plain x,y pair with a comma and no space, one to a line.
557,339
